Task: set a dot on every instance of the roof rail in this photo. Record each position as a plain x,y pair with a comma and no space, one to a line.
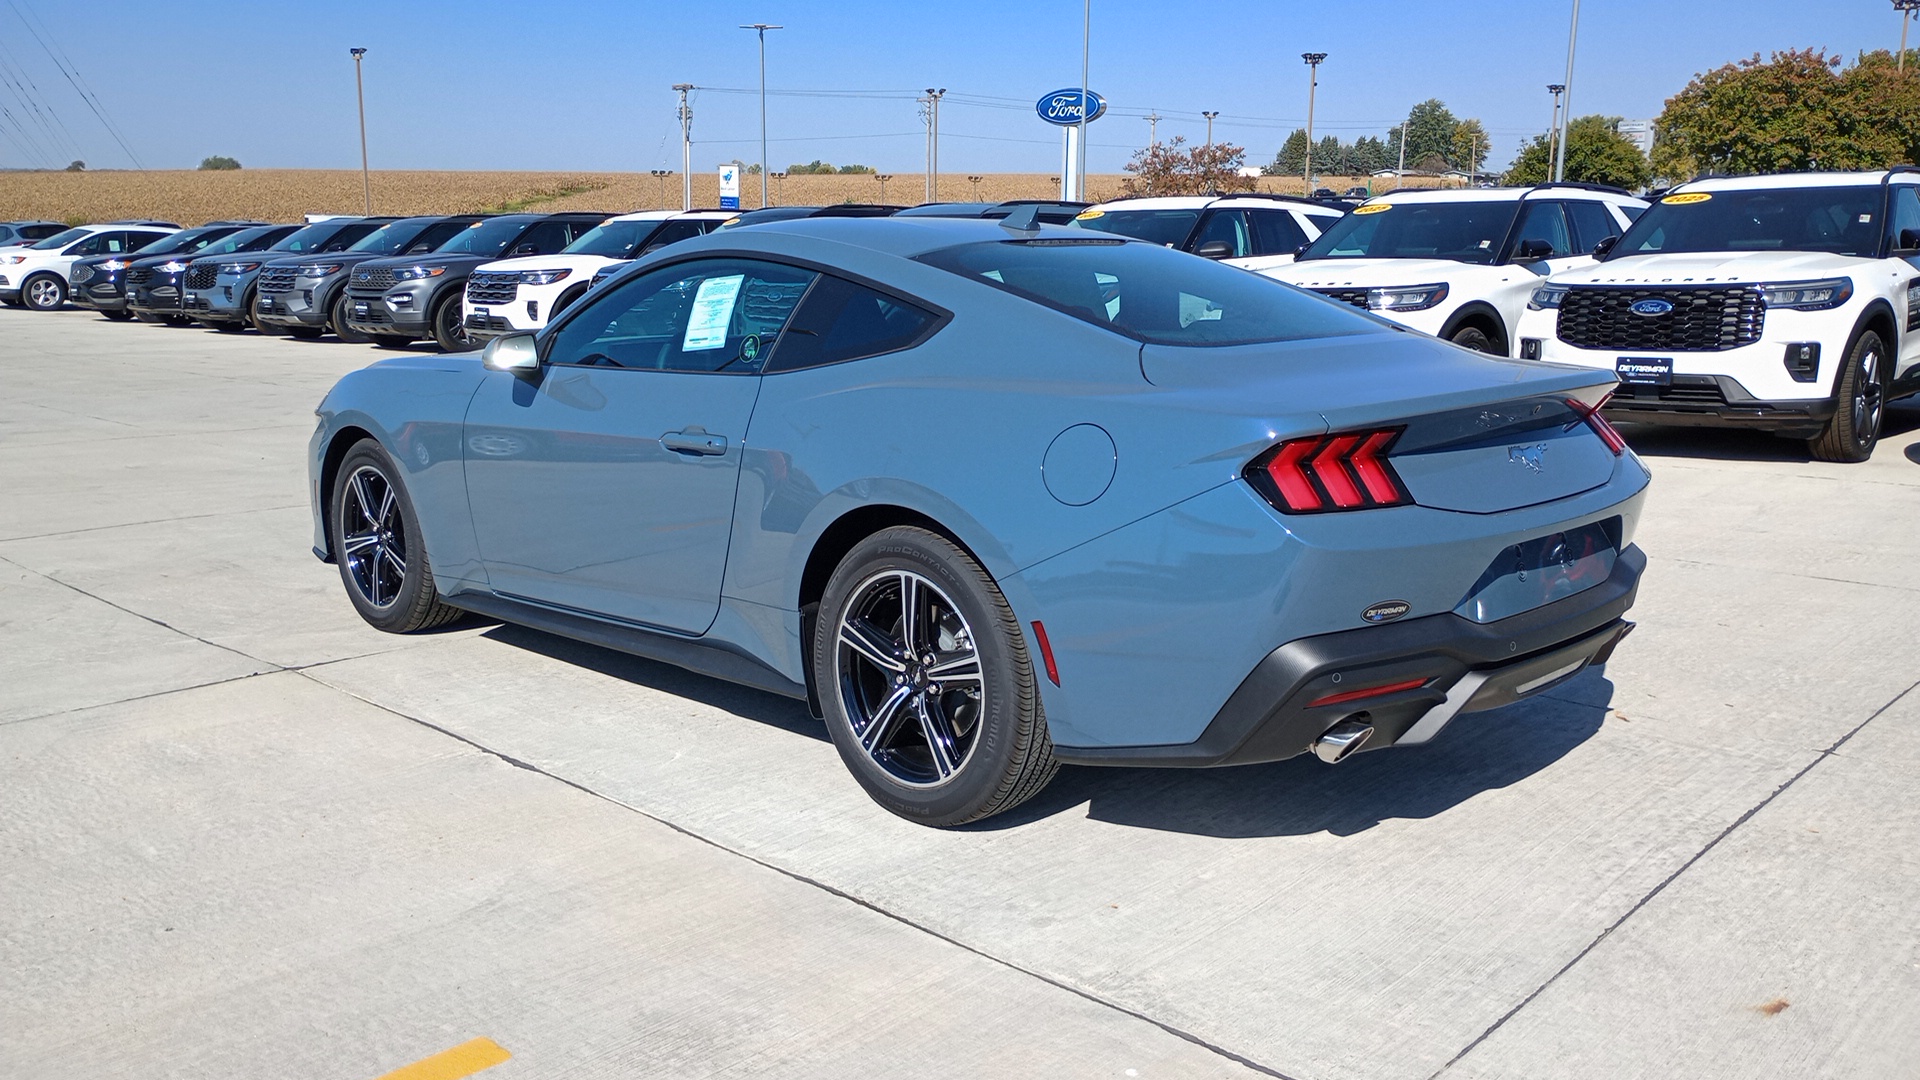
1608,188
1278,197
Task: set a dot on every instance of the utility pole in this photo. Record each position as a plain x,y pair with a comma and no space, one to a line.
360,91
1216,112
1906,9
761,29
931,104
1566,114
1313,60
1553,129
1153,129
686,147
1400,174
1086,49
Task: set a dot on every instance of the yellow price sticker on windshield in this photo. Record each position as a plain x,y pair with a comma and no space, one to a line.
1686,198
1089,215
1374,208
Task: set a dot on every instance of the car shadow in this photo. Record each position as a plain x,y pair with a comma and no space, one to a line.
1477,753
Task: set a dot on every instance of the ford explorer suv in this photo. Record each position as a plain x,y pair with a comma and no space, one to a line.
396,301
525,293
221,289
306,297
35,276
1780,303
26,232
99,282
156,285
1460,264
1250,231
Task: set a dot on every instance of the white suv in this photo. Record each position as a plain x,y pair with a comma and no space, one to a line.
1460,264
1782,303
1252,232
35,275
526,293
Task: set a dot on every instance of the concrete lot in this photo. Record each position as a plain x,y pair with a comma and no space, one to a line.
243,835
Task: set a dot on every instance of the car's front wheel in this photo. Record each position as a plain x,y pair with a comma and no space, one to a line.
337,316
449,327
1473,337
44,292
926,682
1859,403
376,542
253,316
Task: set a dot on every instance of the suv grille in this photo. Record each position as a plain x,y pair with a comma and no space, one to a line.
1702,319
492,288
82,274
139,275
1356,297
276,279
378,277
202,275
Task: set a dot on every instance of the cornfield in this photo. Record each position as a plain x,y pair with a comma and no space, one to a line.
191,197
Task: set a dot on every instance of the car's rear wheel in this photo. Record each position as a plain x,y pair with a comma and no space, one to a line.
376,542
1473,337
44,292
449,327
1860,401
926,682
337,315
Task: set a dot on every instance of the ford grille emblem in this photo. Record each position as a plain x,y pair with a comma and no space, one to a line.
1652,305
1386,611
1533,457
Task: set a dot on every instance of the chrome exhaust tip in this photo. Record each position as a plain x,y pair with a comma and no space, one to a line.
1337,742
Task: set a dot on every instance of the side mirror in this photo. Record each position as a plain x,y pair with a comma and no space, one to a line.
1533,251
1909,239
518,353
527,249
1214,249
1605,245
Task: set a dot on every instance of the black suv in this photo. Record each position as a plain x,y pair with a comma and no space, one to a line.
156,284
399,300
305,297
99,282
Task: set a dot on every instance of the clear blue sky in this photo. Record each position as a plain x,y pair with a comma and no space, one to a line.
480,84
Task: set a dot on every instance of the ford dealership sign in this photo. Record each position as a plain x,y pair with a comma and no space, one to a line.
1062,107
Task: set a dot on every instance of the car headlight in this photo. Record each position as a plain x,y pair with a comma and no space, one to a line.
1410,298
320,271
544,277
238,268
113,266
1546,296
172,267
411,273
1808,295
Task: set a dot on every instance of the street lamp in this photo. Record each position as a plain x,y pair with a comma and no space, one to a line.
360,91
781,179
761,29
1216,112
660,175
975,181
883,178
1313,60
1906,8
1566,114
1553,129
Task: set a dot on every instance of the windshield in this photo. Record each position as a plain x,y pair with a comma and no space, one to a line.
60,239
312,238
186,240
489,237
613,239
1151,293
1167,227
1841,220
244,240
1465,231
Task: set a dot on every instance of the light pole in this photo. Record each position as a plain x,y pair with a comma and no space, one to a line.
883,178
975,181
1313,60
360,91
1216,112
1906,8
1086,49
660,176
1566,114
761,29
780,179
686,147
1553,129
933,141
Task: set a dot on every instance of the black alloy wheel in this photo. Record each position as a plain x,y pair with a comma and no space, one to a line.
376,542
1472,337
1860,399
449,326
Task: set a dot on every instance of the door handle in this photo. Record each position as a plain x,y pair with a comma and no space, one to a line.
694,441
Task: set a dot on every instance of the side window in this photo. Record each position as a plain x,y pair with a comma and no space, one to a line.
92,245
841,321
711,315
672,233
1592,223
1276,232
138,240
1230,226
577,229
543,239
1905,216
1545,221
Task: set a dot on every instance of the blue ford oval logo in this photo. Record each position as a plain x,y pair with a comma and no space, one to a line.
1062,107
1652,305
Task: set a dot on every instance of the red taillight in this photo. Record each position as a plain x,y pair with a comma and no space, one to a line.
1321,473
1591,414
1369,692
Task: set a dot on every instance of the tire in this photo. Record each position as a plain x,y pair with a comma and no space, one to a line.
1860,402
1472,337
225,326
118,316
306,333
391,341
148,318
43,292
253,316
888,711
448,330
337,317
376,542
564,303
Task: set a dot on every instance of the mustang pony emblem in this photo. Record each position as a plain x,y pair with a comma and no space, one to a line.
1533,457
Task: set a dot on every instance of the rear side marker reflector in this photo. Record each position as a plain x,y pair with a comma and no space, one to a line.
1322,473
1046,652
1369,692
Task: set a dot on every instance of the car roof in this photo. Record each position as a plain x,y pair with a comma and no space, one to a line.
1506,194
1239,199
30,221
1778,181
904,237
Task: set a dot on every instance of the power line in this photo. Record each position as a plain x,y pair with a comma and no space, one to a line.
27,93
74,80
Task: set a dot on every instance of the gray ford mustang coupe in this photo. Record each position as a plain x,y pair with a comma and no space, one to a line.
991,497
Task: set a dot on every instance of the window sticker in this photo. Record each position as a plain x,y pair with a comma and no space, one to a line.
1686,198
712,313
1373,208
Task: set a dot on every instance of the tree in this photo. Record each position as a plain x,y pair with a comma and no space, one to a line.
816,167
1369,155
855,169
752,170
78,166
1330,156
218,163
1292,158
1596,154
1429,133
1171,168
1470,146
1799,110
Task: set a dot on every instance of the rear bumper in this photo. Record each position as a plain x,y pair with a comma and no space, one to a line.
1466,667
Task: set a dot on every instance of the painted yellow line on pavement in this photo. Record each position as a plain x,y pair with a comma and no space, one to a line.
463,1060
